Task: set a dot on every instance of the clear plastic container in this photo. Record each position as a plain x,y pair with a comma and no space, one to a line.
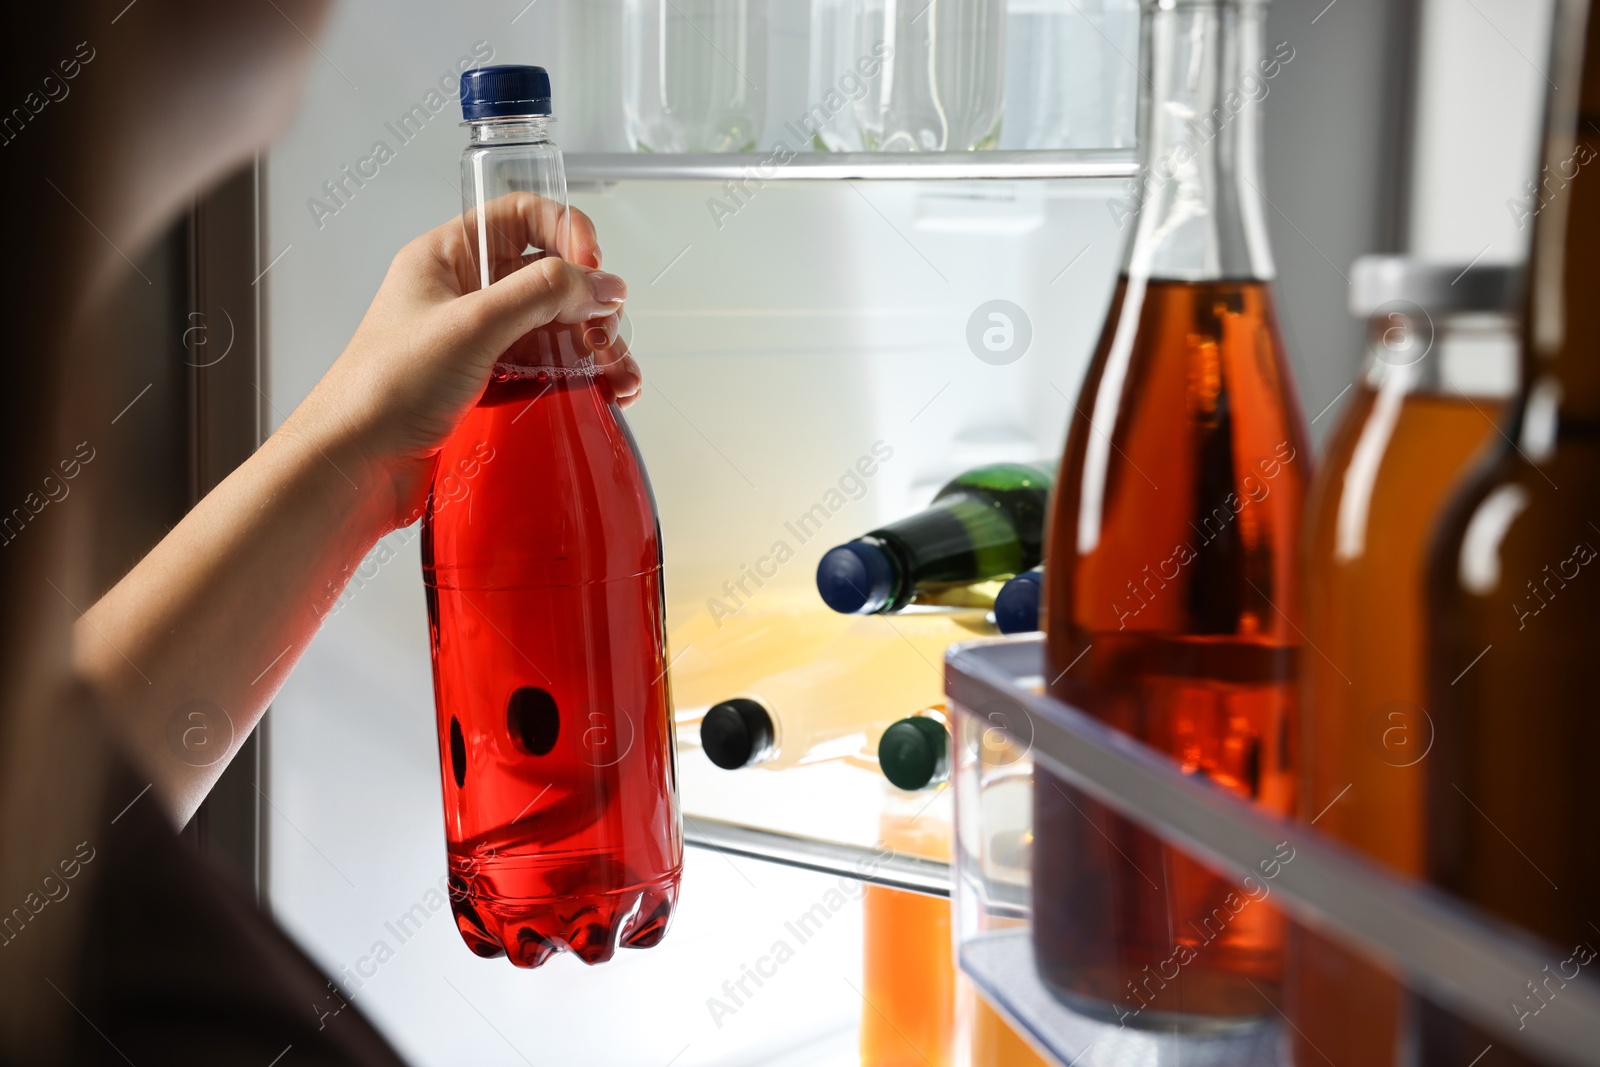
1072,74
889,76
541,558
695,74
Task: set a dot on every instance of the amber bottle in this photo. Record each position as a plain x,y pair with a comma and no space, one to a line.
1514,600
1170,562
1440,363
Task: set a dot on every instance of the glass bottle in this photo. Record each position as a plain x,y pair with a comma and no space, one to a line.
1514,595
986,525
908,973
541,559
1016,606
1440,364
695,74
1170,571
914,753
839,705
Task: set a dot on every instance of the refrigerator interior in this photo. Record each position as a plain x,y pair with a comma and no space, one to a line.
780,343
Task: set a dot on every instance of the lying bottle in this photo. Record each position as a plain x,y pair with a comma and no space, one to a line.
839,705
914,753
985,526
1016,606
541,558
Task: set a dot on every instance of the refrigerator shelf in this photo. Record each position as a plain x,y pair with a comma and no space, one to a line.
604,168
823,816
876,866
1470,962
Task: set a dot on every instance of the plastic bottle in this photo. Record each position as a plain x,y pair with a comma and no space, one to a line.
985,526
541,558
695,74
839,705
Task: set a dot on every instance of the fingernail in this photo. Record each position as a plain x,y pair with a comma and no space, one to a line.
595,337
607,288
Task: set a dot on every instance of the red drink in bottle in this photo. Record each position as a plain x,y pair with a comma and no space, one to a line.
541,556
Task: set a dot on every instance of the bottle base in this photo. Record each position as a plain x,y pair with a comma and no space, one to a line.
591,923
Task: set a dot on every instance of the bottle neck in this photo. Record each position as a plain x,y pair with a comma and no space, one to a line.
1561,330
510,129
1471,354
1199,199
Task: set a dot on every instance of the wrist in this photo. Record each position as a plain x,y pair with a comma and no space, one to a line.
334,460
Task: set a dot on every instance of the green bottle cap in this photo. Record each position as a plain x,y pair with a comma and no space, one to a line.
915,753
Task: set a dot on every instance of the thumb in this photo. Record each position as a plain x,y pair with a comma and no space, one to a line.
548,290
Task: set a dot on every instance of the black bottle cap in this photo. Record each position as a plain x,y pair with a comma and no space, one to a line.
915,753
856,578
736,733
1016,606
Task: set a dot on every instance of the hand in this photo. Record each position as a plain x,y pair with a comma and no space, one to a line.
421,357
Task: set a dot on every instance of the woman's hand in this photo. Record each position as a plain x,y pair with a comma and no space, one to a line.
422,355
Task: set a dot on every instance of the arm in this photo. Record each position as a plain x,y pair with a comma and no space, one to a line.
200,635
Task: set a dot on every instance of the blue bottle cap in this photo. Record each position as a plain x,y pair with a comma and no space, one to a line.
506,89
856,578
1016,606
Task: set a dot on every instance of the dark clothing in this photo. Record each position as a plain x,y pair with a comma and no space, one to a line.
180,968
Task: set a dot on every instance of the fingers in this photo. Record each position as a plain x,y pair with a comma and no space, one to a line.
550,290
583,244
625,378
509,224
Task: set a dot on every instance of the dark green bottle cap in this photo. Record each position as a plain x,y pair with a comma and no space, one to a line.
915,753
736,733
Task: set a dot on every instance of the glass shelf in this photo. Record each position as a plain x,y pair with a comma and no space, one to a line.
1467,961
822,817
604,168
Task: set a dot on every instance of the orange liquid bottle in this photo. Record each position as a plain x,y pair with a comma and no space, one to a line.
907,969
1440,363
1170,572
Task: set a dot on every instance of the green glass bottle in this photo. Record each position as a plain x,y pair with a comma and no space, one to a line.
985,526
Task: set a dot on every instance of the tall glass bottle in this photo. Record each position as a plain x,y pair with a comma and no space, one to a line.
1170,563
1514,596
1439,366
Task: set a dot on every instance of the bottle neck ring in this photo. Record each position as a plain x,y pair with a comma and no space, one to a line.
509,129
